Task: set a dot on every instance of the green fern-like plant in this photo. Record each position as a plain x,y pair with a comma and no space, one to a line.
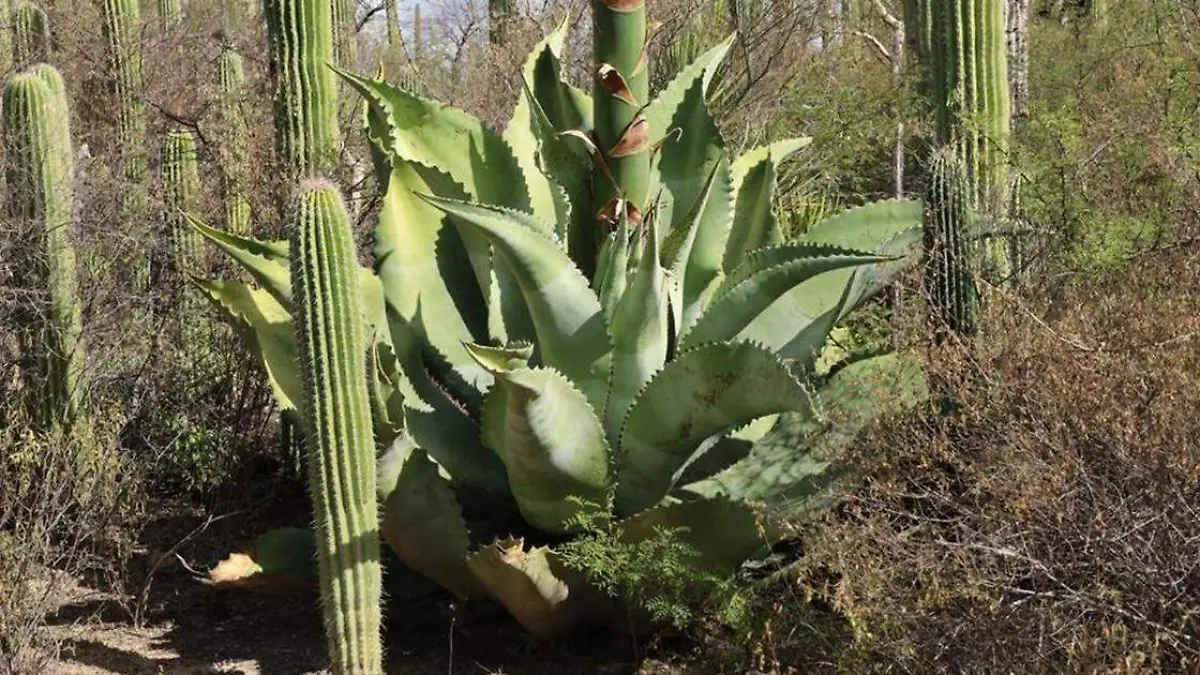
40,175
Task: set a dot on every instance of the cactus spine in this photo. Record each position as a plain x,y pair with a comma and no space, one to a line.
340,442
121,19
949,283
968,66
40,175
232,81
622,87
31,33
300,33
181,194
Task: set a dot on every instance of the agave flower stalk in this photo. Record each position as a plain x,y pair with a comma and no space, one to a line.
620,92
40,173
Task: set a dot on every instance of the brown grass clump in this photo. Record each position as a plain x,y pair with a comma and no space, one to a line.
1047,517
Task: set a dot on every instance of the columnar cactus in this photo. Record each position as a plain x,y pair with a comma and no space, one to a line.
121,24
968,67
232,81
181,194
345,33
948,273
31,33
170,12
621,89
301,45
6,39
341,449
40,174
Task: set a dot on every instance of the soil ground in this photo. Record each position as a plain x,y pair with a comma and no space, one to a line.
189,628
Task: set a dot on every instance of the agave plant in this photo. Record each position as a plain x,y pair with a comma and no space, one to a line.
535,365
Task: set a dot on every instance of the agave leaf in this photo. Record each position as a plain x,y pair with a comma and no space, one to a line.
266,326
501,359
639,336
567,318
889,228
566,107
448,140
613,265
789,469
697,264
705,391
733,315
421,520
755,223
553,447
279,561
526,135
722,533
387,403
284,561
431,279
541,593
724,450
439,423
685,161
662,111
266,261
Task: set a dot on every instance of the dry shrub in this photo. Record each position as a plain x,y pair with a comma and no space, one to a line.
67,506
1047,517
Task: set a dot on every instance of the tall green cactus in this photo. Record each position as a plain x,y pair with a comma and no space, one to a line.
40,175
30,33
300,33
170,12
949,283
622,88
341,448
345,33
122,20
968,66
6,39
232,82
181,194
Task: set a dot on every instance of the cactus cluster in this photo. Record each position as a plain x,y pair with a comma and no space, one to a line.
30,33
949,281
341,448
40,175
301,37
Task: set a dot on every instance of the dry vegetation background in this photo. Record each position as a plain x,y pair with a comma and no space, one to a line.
1040,516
